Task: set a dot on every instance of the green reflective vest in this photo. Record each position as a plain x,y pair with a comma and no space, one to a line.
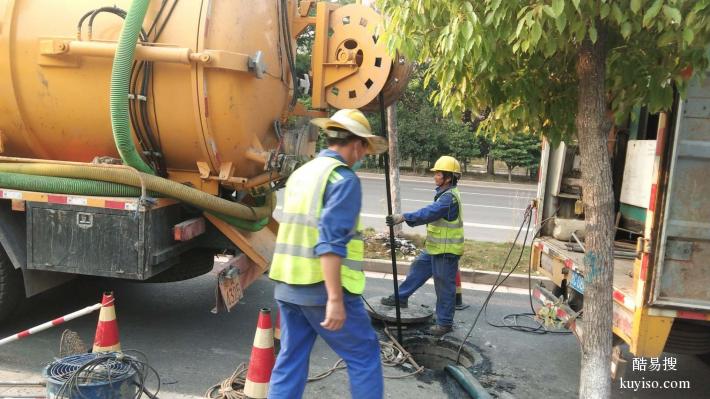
295,261
443,236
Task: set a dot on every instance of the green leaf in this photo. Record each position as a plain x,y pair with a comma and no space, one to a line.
604,11
576,4
626,29
666,39
549,11
521,24
558,6
467,29
468,6
616,13
635,6
688,35
593,34
651,13
673,14
561,22
536,33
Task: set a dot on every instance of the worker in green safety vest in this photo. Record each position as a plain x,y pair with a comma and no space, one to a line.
318,263
444,245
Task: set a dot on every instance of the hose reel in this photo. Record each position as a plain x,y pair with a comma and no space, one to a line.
351,65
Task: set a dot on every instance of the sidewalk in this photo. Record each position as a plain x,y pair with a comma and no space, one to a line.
379,268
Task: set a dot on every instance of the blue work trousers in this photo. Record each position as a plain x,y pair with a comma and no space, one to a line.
443,268
356,343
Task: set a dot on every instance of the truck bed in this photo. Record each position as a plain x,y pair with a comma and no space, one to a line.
574,261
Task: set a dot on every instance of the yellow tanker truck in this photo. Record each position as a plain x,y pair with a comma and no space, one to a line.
140,138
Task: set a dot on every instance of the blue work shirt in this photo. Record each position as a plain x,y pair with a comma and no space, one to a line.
342,201
444,206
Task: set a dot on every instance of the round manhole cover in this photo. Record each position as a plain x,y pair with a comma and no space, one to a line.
414,313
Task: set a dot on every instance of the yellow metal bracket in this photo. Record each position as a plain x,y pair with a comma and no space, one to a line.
258,245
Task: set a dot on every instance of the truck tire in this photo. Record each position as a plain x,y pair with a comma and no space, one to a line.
193,263
689,337
11,288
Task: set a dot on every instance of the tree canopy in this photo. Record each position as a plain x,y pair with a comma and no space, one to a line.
518,57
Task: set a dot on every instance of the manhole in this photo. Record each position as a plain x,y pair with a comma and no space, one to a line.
436,354
414,313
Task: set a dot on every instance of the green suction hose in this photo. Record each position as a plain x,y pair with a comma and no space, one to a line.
120,81
156,184
61,185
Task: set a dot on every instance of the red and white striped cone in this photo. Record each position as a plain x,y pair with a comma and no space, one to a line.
106,339
459,296
262,359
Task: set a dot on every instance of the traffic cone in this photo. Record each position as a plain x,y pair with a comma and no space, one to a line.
459,296
106,339
262,358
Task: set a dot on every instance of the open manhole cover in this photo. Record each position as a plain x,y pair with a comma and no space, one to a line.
414,313
436,354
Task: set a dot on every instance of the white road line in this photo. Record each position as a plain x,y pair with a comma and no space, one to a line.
476,205
506,186
466,224
484,194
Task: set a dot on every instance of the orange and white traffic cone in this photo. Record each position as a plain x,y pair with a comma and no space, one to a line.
262,359
459,297
106,339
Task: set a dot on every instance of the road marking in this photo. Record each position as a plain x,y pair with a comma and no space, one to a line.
477,205
506,186
466,224
485,194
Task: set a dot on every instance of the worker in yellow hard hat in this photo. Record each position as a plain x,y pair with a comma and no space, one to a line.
318,263
444,245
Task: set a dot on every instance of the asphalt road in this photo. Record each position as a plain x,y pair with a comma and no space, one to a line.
492,211
193,348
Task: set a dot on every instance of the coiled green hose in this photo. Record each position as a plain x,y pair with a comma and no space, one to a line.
153,183
62,185
120,81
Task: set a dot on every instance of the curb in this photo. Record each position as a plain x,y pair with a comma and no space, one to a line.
468,276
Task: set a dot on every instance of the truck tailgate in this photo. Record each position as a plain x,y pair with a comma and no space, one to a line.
681,276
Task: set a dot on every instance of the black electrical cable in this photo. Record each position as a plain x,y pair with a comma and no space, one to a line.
527,218
111,10
289,51
101,366
140,121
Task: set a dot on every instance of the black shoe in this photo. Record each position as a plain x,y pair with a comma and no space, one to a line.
389,301
438,330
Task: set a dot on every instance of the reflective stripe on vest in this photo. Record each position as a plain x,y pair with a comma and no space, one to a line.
446,237
295,261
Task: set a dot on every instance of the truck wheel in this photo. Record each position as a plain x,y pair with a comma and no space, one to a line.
193,263
11,289
689,337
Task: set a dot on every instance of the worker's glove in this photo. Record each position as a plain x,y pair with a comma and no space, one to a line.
392,220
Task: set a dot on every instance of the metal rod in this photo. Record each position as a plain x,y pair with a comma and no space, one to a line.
45,326
383,121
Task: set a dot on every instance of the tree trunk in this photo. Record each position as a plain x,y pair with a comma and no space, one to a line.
592,128
394,163
490,166
510,174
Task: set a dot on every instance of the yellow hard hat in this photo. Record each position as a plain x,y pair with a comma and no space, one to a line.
447,164
356,123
